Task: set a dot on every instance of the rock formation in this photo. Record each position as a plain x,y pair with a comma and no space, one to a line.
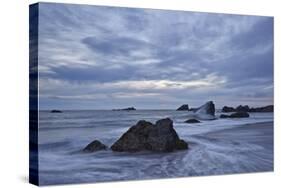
228,109
125,109
159,137
192,121
206,111
183,107
94,146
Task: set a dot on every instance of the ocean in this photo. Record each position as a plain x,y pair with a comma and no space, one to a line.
222,146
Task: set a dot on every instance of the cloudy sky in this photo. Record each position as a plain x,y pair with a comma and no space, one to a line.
93,57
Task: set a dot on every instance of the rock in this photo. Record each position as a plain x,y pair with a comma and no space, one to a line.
224,116
241,108
268,108
95,146
125,109
192,121
239,115
206,111
183,107
56,111
159,137
228,109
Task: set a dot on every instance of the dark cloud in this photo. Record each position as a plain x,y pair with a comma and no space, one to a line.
139,54
114,45
260,34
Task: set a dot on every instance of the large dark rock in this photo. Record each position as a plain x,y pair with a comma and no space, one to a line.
160,137
268,108
206,111
183,107
239,115
228,109
241,108
192,121
94,146
56,111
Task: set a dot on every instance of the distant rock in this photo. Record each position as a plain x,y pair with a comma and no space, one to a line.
206,111
228,109
159,137
95,146
183,107
56,111
241,108
246,108
269,108
192,121
125,109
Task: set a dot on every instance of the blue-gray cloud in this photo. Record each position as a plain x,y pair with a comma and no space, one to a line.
95,55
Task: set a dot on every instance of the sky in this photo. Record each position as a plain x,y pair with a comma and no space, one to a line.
95,57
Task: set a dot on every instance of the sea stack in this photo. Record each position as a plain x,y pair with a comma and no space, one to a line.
145,136
183,107
206,111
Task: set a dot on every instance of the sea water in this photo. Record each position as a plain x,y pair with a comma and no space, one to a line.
221,146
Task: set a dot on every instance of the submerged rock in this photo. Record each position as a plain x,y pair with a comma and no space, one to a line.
94,146
183,107
206,111
192,121
159,137
56,111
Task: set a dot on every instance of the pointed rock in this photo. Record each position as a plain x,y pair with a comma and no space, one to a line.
160,137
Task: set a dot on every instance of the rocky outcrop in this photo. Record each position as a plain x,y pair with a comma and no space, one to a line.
94,146
183,107
56,111
159,137
206,111
268,108
192,121
125,109
228,109
236,115
241,108
246,108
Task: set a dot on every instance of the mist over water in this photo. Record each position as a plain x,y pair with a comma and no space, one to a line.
221,146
